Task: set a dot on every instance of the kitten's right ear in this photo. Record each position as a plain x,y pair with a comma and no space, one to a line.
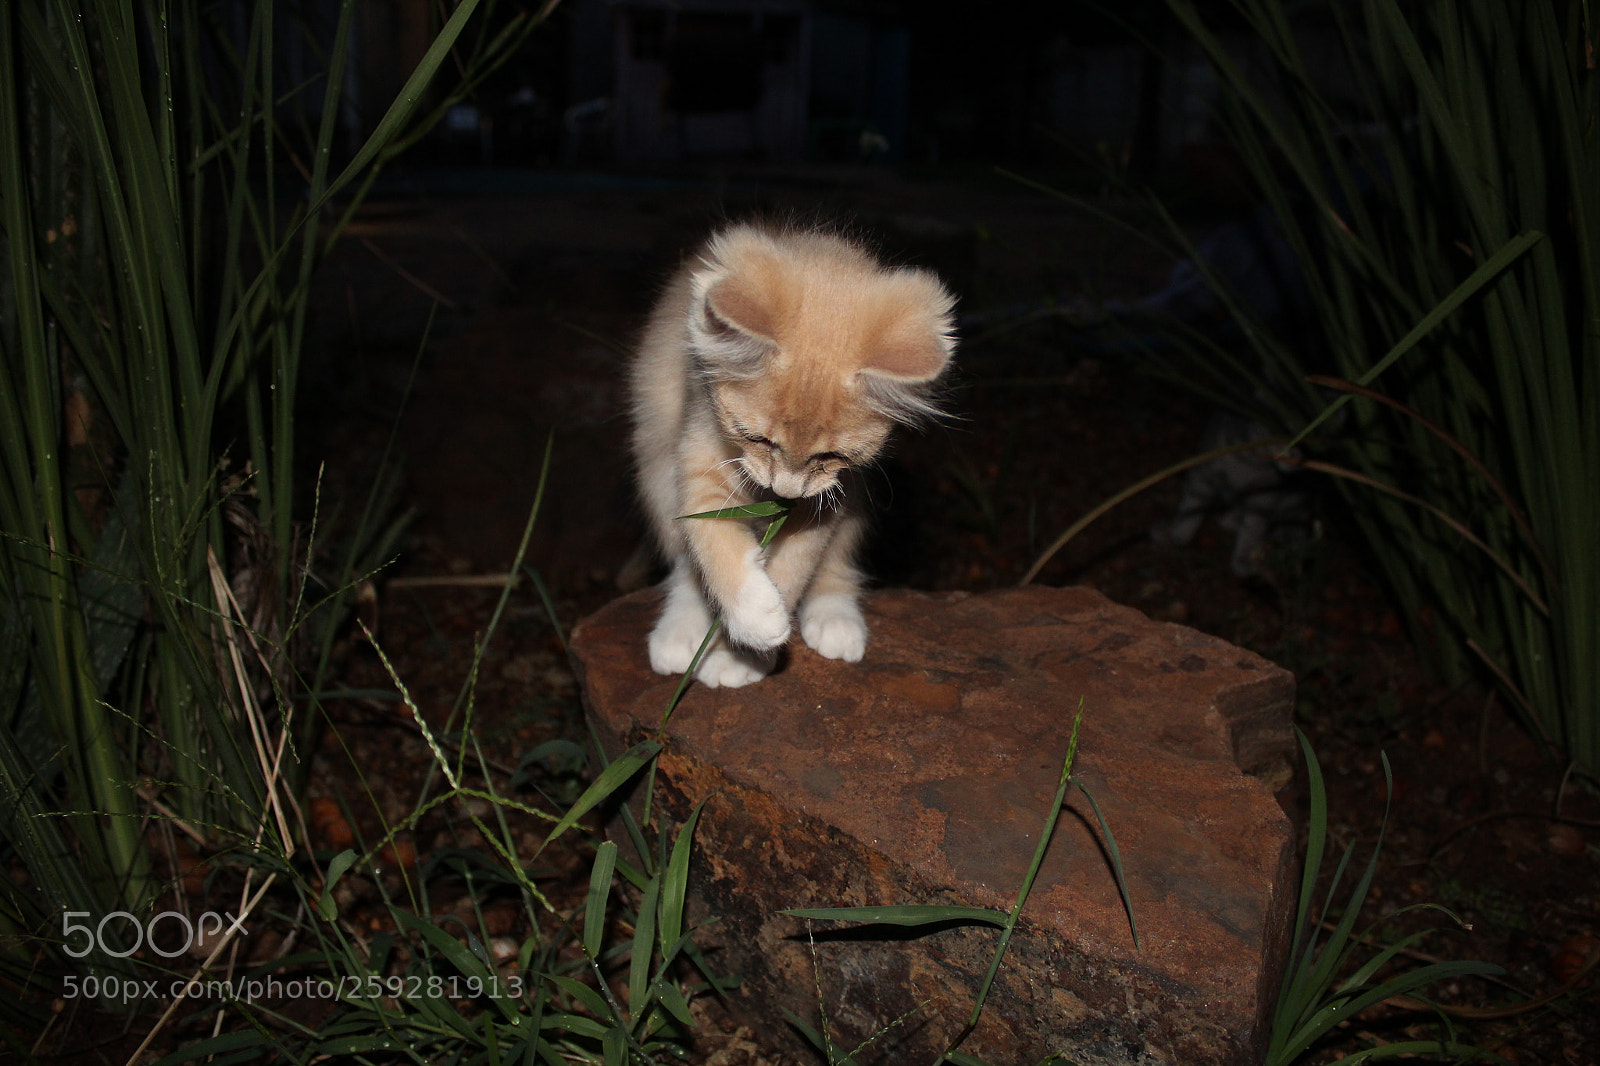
730,327
736,306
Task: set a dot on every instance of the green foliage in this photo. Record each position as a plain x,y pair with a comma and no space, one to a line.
1443,215
422,983
556,1002
1326,982
436,990
153,289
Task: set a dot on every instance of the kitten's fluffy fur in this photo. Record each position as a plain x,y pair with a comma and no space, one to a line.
774,366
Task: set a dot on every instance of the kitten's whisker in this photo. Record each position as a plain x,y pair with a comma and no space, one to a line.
736,482
831,499
741,478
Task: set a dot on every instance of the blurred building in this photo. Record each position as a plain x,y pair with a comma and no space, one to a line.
710,78
645,82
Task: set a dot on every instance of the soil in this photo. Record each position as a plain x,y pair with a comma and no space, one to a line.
547,283
534,285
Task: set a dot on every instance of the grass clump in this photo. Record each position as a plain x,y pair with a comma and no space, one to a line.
1327,980
165,197
1440,208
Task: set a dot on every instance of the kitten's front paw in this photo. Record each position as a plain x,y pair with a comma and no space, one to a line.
726,668
677,636
757,617
832,626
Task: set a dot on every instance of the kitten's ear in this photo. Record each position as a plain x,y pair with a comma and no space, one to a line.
732,303
917,341
912,351
730,325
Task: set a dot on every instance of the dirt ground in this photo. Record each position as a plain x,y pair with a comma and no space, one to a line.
534,286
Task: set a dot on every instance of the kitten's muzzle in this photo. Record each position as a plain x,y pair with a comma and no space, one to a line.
800,485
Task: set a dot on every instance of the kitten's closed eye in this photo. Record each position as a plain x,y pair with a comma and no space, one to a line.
819,459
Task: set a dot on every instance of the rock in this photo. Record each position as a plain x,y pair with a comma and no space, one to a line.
923,775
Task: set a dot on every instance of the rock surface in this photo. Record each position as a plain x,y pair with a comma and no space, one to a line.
923,775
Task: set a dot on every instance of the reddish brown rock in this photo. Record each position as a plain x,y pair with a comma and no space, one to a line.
923,774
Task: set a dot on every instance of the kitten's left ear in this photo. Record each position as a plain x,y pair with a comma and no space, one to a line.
917,344
911,352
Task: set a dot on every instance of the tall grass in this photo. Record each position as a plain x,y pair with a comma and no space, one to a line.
607,980
165,195
1444,214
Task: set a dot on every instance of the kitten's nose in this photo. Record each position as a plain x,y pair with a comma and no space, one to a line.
789,483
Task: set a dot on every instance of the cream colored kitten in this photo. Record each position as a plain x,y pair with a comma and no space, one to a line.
774,366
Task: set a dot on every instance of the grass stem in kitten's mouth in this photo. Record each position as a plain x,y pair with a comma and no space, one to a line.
759,509
777,510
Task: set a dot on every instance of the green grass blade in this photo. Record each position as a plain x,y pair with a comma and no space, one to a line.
1296,995
1115,857
642,950
406,101
337,867
759,509
591,1001
594,919
1491,270
612,778
675,883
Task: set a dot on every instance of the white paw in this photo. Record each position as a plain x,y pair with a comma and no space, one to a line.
672,645
678,633
725,668
757,617
832,626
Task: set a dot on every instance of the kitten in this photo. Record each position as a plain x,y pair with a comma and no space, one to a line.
774,366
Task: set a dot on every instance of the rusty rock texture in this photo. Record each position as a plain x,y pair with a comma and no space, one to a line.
923,775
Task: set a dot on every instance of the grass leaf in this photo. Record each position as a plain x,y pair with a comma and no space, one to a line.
675,882
759,509
611,779
594,920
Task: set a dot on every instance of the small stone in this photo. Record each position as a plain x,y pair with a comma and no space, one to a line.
329,827
1573,957
1566,839
503,949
